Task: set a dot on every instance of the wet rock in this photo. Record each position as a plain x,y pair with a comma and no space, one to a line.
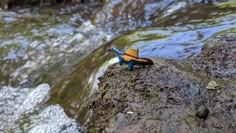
35,98
217,58
10,100
17,103
216,124
165,96
202,112
54,120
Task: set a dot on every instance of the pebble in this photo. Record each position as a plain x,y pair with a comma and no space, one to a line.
202,112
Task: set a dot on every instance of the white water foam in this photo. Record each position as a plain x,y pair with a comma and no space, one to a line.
54,120
20,107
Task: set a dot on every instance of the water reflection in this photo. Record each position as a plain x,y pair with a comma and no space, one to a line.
179,44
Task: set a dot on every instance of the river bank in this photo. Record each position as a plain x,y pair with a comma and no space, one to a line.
194,95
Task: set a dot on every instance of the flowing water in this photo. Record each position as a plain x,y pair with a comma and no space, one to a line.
66,48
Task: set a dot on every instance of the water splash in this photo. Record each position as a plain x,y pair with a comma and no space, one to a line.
18,103
54,120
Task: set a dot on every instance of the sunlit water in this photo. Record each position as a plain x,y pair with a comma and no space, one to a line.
65,47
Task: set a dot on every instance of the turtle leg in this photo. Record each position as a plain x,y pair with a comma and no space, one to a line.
120,62
130,66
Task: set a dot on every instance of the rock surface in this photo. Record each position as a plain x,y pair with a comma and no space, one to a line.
202,112
165,97
217,58
54,120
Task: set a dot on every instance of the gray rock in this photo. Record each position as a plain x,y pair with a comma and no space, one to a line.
202,112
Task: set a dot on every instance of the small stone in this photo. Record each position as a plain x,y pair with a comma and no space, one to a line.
233,93
202,112
130,112
211,85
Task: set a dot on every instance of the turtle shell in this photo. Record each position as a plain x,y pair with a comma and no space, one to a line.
132,52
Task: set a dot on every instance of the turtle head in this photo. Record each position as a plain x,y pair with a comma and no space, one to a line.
116,50
111,49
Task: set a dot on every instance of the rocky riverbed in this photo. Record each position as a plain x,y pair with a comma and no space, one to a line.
194,95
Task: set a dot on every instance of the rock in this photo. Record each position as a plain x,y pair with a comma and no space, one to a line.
163,96
202,112
35,98
3,5
217,58
211,85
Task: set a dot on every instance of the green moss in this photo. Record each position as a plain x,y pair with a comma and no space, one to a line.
46,78
157,118
230,3
104,90
156,130
188,118
3,52
13,46
231,30
131,83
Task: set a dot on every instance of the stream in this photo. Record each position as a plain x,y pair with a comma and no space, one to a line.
51,57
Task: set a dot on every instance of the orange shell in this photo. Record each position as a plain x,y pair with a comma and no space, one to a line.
132,52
